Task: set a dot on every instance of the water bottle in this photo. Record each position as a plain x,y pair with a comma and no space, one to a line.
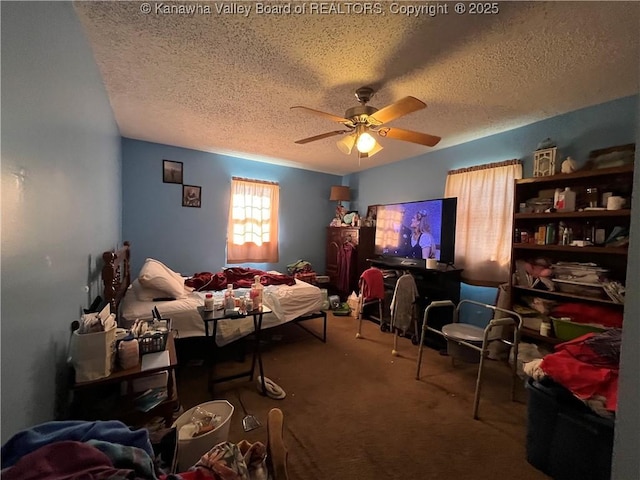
208,302
257,292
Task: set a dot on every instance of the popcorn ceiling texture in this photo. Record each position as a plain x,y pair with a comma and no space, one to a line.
224,83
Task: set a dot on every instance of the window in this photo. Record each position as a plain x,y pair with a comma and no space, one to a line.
484,219
252,234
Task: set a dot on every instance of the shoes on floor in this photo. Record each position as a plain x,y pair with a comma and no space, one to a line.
273,390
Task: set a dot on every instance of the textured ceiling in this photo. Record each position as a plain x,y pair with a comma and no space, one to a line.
224,82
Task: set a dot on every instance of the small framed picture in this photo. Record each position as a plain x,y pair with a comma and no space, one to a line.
171,171
191,196
372,211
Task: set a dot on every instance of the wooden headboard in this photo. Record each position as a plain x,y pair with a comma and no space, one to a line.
116,275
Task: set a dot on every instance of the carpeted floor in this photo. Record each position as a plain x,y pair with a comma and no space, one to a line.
353,411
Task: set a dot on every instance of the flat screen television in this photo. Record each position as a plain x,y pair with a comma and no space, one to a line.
417,230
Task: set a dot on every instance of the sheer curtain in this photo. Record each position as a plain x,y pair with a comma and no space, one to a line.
484,220
252,233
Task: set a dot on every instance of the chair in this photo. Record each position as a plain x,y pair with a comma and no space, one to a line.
464,335
371,286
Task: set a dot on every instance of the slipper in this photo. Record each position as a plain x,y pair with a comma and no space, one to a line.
273,389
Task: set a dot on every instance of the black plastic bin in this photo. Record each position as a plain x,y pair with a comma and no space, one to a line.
565,439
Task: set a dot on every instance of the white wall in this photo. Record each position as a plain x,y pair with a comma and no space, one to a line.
626,447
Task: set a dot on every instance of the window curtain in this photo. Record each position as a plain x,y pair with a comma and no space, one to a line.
252,233
484,220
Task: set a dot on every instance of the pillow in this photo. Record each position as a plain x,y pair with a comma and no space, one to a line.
157,276
148,294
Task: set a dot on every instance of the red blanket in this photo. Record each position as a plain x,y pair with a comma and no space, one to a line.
587,366
238,276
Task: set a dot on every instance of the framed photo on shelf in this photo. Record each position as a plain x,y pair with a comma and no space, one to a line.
191,196
171,171
372,213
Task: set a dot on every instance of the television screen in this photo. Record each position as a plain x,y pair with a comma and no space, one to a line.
418,230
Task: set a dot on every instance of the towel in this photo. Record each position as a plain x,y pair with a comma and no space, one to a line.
372,284
404,297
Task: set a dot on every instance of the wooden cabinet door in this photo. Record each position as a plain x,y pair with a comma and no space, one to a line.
336,238
334,242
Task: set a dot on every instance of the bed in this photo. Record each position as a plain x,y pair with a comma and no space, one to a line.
294,303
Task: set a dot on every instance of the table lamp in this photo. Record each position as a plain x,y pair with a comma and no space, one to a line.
340,194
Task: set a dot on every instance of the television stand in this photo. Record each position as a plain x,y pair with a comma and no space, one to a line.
442,283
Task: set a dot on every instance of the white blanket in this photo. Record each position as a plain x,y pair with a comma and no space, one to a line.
286,302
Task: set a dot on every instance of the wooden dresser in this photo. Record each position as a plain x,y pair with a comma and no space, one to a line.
361,240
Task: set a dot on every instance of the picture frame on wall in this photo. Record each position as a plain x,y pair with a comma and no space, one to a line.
191,196
171,171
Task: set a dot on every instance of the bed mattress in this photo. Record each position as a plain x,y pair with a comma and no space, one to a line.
286,302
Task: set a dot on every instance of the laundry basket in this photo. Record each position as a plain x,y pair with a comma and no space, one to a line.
190,450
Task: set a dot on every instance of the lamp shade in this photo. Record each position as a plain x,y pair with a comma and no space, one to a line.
376,148
340,193
346,144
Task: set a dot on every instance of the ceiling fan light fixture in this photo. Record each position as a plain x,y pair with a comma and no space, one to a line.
365,142
377,147
345,145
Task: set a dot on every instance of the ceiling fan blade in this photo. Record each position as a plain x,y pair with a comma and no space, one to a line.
328,116
398,109
321,136
409,136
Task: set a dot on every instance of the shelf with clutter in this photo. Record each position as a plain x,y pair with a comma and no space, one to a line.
570,243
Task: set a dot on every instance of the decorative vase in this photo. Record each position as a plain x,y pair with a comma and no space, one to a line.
569,165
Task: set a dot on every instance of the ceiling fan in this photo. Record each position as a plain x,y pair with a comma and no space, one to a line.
360,121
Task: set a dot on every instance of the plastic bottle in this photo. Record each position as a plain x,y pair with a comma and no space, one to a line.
248,302
566,201
325,299
208,302
128,353
229,300
556,197
257,292
550,234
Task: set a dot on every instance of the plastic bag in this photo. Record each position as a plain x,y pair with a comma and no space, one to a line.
204,421
354,302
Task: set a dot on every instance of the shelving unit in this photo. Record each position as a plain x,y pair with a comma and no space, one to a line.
102,399
619,181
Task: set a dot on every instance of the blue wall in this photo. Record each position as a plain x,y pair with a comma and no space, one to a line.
61,199
191,240
575,133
